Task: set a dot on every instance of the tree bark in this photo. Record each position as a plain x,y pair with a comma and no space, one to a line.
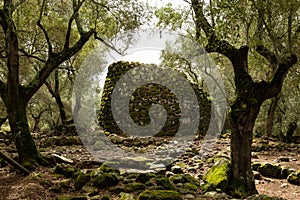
242,120
27,150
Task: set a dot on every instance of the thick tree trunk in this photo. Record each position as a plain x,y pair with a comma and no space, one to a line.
27,151
271,115
242,121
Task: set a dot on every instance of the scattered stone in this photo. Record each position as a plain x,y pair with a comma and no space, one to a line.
66,170
269,170
284,185
81,197
81,180
283,159
294,178
105,197
217,195
254,155
159,195
105,180
165,183
177,169
61,159
143,178
255,166
257,175
189,196
285,172
126,196
134,187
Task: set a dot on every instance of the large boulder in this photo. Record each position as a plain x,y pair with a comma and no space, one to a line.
294,178
142,100
106,180
218,175
270,170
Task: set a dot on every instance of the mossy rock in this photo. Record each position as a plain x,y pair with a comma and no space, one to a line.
105,197
105,180
294,178
207,187
269,170
80,197
104,168
66,170
126,196
143,178
81,180
142,100
159,195
255,166
132,187
165,183
107,169
190,186
285,172
218,175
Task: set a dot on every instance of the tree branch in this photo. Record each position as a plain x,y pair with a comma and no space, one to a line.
267,54
200,20
76,8
3,20
53,62
32,56
238,57
274,87
50,50
106,44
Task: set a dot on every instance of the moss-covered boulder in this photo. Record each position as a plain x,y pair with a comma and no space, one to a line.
66,170
165,183
81,180
159,195
79,197
270,170
294,178
285,172
129,188
145,177
106,180
142,100
218,175
126,196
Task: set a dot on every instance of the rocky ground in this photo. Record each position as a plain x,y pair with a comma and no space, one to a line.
77,175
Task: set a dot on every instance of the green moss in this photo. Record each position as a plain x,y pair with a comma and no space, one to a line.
294,178
81,180
134,187
218,175
269,170
159,195
165,183
190,186
105,180
66,170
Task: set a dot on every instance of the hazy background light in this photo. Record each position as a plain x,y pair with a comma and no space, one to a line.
145,55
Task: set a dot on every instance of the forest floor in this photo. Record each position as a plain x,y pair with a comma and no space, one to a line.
40,184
